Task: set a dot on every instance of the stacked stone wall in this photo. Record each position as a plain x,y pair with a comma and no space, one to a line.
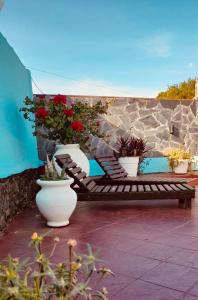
17,192
162,123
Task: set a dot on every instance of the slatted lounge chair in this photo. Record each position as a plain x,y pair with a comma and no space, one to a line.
105,190
113,170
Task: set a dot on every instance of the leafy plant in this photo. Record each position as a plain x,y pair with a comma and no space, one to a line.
175,155
51,174
183,90
64,122
43,280
131,146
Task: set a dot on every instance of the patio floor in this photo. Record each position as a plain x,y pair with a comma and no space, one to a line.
152,246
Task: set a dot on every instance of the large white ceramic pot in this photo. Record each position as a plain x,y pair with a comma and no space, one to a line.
56,201
130,164
76,154
182,167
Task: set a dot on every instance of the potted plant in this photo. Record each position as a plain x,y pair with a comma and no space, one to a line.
131,151
179,159
69,124
56,200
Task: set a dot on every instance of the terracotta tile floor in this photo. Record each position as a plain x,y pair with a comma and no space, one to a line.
152,246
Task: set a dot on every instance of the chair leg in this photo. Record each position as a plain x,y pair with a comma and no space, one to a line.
182,203
185,203
188,203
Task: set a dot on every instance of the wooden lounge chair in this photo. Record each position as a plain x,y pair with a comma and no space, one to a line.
105,190
113,170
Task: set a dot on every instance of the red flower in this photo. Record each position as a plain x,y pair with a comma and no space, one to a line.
59,99
41,97
68,112
41,113
77,126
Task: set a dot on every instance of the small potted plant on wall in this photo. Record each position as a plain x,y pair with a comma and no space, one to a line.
179,159
56,200
69,124
131,151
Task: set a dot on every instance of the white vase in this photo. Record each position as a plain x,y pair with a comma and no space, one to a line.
76,154
56,201
130,164
182,167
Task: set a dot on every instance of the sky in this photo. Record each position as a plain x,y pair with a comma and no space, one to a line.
104,47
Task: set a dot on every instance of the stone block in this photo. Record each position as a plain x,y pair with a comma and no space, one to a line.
149,121
172,104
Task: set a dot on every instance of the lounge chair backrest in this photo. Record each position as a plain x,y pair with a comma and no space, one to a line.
111,167
74,171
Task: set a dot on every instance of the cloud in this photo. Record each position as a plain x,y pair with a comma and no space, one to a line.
190,65
89,87
159,45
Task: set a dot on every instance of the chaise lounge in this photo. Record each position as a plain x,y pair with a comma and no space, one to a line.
89,189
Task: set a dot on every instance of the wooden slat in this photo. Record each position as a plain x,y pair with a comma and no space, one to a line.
91,185
147,188
117,171
106,189
113,188
63,156
71,165
161,187
154,187
134,188
112,163
168,187
104,156
81,175
76,170
120,188
127,188
99,188
109,159
140,188
188,187
115,176
174,187
114,167
181,187
86,180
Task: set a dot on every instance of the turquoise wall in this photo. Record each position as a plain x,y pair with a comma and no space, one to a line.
18,148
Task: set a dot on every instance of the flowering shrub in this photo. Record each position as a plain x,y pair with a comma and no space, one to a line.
43,280
66,123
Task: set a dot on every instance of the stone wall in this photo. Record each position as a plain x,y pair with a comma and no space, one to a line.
17,192
162,123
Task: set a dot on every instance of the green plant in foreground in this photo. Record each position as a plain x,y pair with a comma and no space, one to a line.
43,280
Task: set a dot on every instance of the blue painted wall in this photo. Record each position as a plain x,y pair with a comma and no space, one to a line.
18,148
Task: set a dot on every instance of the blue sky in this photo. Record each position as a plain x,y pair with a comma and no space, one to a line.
109,47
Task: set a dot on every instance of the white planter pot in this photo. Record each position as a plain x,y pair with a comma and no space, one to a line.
76,154
182,167
130,164
56,201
